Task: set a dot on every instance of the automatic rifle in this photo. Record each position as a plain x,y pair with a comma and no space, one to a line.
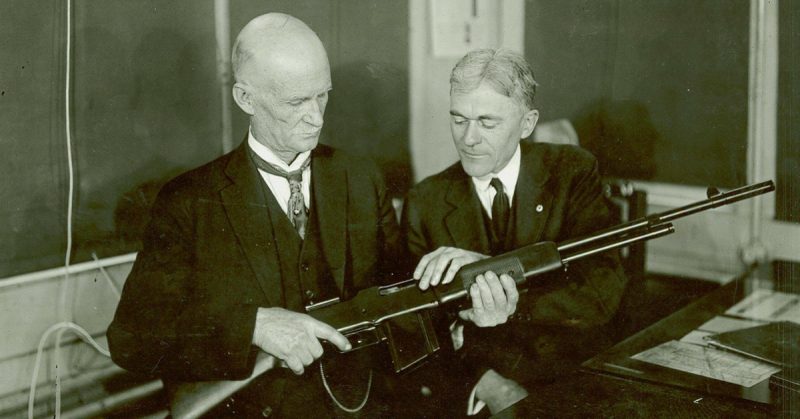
398,314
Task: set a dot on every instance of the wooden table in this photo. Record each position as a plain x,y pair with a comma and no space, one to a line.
612,384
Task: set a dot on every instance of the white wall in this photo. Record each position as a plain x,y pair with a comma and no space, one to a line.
429,85
431,144
705,245
30,306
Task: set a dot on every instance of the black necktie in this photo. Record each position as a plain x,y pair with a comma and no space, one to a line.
500,210
296,208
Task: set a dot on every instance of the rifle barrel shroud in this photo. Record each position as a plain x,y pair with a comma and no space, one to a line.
374,306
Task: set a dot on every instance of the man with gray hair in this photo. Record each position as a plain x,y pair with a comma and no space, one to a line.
504,194
237,249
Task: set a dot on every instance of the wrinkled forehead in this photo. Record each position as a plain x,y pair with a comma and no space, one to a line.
488,92
300,80
498,87
483,99
293,63
482,91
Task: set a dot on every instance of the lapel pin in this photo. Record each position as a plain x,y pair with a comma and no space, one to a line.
539,208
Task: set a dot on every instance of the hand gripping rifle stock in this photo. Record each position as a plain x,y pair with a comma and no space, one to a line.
393,313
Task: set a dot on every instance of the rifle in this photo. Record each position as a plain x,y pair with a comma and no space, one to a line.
391,313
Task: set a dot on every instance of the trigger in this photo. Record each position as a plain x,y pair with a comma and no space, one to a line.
364,338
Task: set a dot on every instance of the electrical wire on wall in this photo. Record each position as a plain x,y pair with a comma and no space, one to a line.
63,310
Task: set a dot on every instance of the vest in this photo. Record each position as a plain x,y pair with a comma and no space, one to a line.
305,275
496,245
305,279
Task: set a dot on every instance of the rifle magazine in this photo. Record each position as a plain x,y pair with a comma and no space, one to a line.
410,338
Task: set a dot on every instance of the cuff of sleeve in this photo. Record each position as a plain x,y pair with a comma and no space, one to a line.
234,349
474,406
457,334
216,347
237,341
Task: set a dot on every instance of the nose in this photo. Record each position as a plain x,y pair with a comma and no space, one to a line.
313,114
471,136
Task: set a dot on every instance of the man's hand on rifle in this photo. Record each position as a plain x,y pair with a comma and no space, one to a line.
494,298
441,265
294,337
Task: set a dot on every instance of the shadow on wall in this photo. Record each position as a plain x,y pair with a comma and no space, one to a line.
25,251
132,212
368,115
139,125
621,135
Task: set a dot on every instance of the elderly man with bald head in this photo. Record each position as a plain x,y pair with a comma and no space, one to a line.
237,249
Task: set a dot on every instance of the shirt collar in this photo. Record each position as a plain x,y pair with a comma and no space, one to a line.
270,157
508,175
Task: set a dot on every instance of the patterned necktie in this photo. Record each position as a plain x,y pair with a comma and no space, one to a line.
296,209
500,210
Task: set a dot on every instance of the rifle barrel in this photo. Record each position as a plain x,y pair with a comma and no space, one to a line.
650,233
604,234
726,198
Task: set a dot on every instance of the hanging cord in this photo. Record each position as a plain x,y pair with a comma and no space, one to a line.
60,328
336,401
70,196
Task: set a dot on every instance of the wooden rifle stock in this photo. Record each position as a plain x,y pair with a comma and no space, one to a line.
360,317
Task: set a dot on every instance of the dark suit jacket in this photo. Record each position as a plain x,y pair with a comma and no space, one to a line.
444,210
209,261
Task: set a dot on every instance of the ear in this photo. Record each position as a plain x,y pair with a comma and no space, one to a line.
529,121
243,98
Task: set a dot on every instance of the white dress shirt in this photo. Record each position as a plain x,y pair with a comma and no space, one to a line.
508,177
278,184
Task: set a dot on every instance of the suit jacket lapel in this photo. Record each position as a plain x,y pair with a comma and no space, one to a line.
245,205
465,221
531,199
330,191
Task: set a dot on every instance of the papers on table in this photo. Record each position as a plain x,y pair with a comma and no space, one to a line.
719,324
696,337
722,324
708,362
768,305
693,355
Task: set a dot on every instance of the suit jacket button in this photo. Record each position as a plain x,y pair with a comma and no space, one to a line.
304,267
310,294
266,412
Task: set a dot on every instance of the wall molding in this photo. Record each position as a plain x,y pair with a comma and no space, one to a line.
29,301
37,276
711,245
